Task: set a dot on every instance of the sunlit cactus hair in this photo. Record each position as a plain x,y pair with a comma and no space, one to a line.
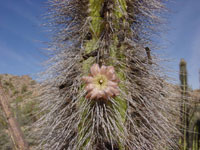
112,34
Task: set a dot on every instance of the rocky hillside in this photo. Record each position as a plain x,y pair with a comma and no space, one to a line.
18,85
22,91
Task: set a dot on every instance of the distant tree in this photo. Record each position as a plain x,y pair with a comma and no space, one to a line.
13,126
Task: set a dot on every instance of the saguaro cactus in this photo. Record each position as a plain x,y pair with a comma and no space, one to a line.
184,107
101,90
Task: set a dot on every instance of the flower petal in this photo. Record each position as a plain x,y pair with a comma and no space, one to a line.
114,91
89,87
87,79
111,83
105,95
88,95
110,73
103,70
101,94
95,70
108,92
94,94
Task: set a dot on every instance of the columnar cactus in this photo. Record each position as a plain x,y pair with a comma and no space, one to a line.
184,107
100,91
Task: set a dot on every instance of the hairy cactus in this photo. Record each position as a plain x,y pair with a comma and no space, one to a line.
131,113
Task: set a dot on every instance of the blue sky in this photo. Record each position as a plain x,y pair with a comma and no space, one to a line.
183,38
21,37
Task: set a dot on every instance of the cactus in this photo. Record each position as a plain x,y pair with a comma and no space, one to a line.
196,137
95,34
184,107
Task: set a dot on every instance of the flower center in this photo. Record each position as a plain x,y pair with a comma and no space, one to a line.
100,81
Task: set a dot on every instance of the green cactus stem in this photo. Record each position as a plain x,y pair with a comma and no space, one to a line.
98,26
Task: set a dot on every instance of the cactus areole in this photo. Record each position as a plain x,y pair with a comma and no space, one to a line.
102,83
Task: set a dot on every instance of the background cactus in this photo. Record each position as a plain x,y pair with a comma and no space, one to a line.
111,33
184,105
196,137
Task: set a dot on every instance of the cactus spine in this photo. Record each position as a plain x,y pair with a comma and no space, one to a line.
184,106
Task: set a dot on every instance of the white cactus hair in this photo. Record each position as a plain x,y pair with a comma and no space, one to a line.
147,124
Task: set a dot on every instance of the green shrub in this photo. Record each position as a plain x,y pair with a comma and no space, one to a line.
9,85
15,92
24,89
19,99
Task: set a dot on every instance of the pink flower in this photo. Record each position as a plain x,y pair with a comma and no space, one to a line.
102,83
